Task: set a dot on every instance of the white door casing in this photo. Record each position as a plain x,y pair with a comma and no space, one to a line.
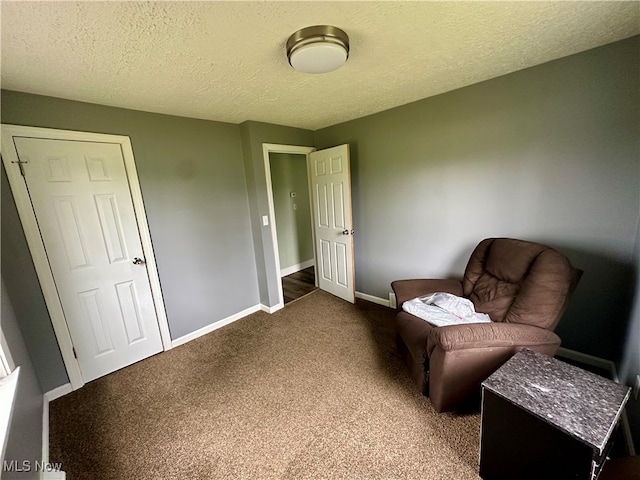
81,194
268,148
333,224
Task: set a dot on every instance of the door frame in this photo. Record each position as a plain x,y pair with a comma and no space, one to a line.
36,245
268,148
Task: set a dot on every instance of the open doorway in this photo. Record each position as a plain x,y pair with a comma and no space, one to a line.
329,195
293,224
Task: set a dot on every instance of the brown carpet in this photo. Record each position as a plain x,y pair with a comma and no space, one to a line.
312,391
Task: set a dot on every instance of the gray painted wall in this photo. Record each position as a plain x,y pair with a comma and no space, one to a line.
550,154
253,135
193,184
630,366
23,289
25,434
289,174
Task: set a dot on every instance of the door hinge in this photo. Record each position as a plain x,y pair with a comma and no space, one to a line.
74,352
20,164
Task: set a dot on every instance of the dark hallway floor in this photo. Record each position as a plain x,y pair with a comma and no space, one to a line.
298,284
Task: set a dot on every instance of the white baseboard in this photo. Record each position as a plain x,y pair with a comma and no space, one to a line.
587,359
275,308
296,268
373,299
45,429
214,326
58,392
393,301
54,475
48,397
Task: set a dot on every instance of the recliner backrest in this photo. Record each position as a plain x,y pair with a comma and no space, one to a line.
516,281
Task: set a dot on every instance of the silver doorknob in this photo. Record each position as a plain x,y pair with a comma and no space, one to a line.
138,261
347,232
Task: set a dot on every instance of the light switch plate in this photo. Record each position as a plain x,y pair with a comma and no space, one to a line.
265,220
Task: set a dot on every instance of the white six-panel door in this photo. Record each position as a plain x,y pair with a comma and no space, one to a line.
83,206
333,226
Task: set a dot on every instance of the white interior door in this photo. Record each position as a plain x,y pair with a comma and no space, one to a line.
332,221
83,206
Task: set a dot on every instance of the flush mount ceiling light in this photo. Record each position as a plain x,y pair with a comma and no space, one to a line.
318,49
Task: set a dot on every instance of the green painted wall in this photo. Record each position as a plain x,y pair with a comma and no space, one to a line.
293,215
550,154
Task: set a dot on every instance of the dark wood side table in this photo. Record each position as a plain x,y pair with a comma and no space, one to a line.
546,419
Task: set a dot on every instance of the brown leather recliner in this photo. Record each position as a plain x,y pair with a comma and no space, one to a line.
523,286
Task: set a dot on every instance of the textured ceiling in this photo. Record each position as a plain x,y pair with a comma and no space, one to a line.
226,60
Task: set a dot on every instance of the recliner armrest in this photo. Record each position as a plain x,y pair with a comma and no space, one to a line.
494,334
409,289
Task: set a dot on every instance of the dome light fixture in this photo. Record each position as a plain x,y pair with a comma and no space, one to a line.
318,49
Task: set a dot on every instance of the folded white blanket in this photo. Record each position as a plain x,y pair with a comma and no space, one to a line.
441,309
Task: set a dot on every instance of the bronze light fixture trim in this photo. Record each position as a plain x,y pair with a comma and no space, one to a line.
318,49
